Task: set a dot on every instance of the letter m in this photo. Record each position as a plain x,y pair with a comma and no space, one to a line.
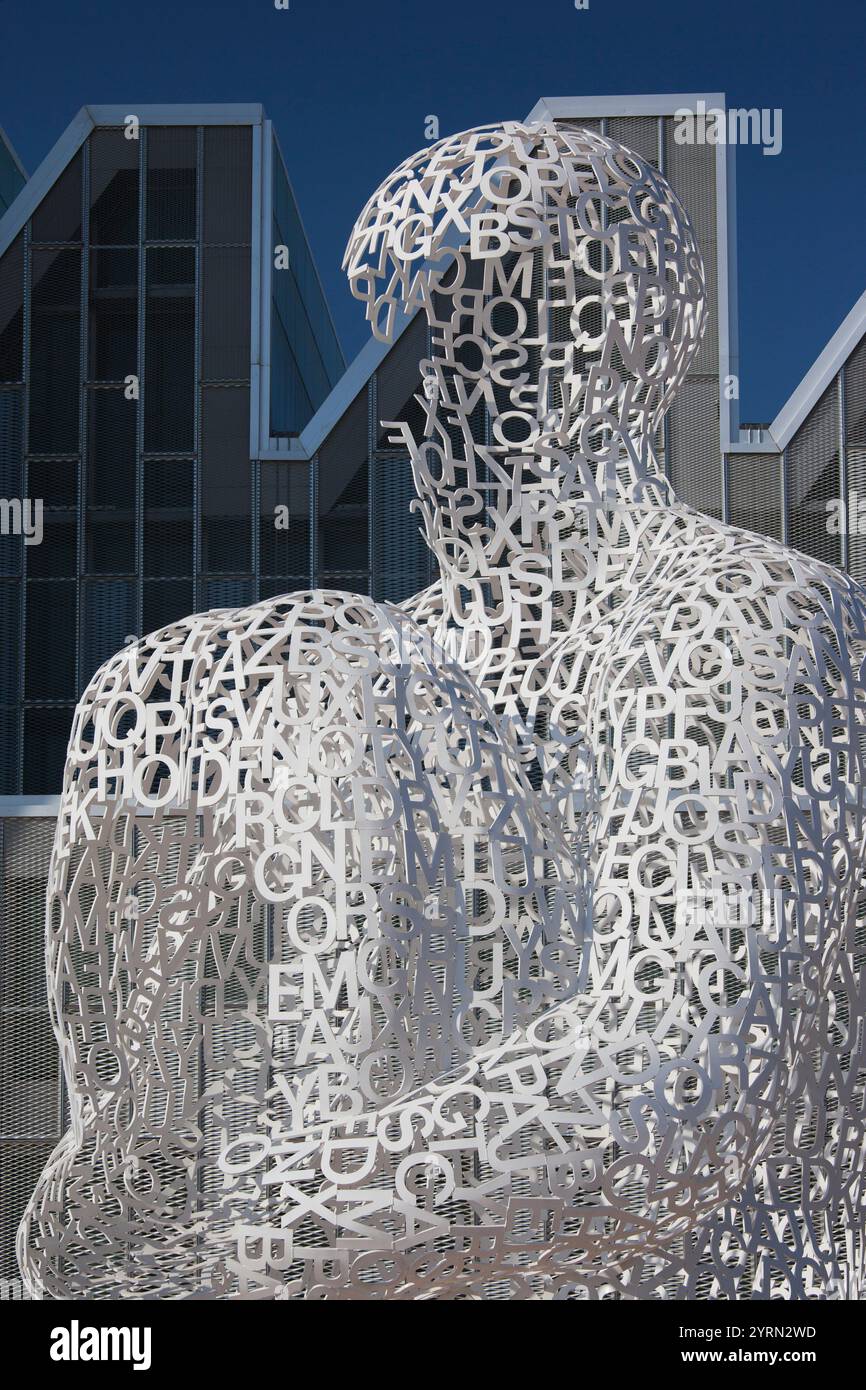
745,126
427,867
315,982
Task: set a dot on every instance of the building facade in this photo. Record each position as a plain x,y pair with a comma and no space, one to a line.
802,478
172,389
137,341
128,368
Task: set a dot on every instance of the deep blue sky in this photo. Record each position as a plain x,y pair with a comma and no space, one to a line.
348,84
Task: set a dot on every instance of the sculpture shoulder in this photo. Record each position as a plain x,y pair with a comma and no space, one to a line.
295,632
757,586
427,607
705,607
255,678
705,580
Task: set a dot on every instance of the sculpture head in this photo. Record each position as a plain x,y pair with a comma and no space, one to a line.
565,294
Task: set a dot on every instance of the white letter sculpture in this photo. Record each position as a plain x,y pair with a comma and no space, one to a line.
502,946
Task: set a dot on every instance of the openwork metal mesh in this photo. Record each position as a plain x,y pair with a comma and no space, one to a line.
507,944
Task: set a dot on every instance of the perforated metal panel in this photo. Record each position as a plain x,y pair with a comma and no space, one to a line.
113,314
11,312
228,593
108,617
166,600
638,133
10,675
20,1166
49,666
46,736
11,469
284,529
398,378
403,563
694,458
31,1094
10,644
55,350
10,717
755,493
581,123
813,480
169,350
110,482
227,211
342,557
227,481
171,183
58,216
690,440
225,311
169,517
692,172
113,188
57,554
855,445
855,396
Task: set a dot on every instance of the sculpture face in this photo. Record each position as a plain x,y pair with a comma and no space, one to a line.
565,293
378,972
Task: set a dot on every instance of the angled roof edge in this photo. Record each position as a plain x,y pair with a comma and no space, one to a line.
47,805
335,404
819,375
73,137
650,104
46,175
302,225
4,139
181,113
353,381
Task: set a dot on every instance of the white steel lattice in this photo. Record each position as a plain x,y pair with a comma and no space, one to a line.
505,945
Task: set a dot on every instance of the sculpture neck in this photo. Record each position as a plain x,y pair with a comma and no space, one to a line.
505,606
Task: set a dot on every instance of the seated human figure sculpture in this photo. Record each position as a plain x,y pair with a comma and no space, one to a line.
503,946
